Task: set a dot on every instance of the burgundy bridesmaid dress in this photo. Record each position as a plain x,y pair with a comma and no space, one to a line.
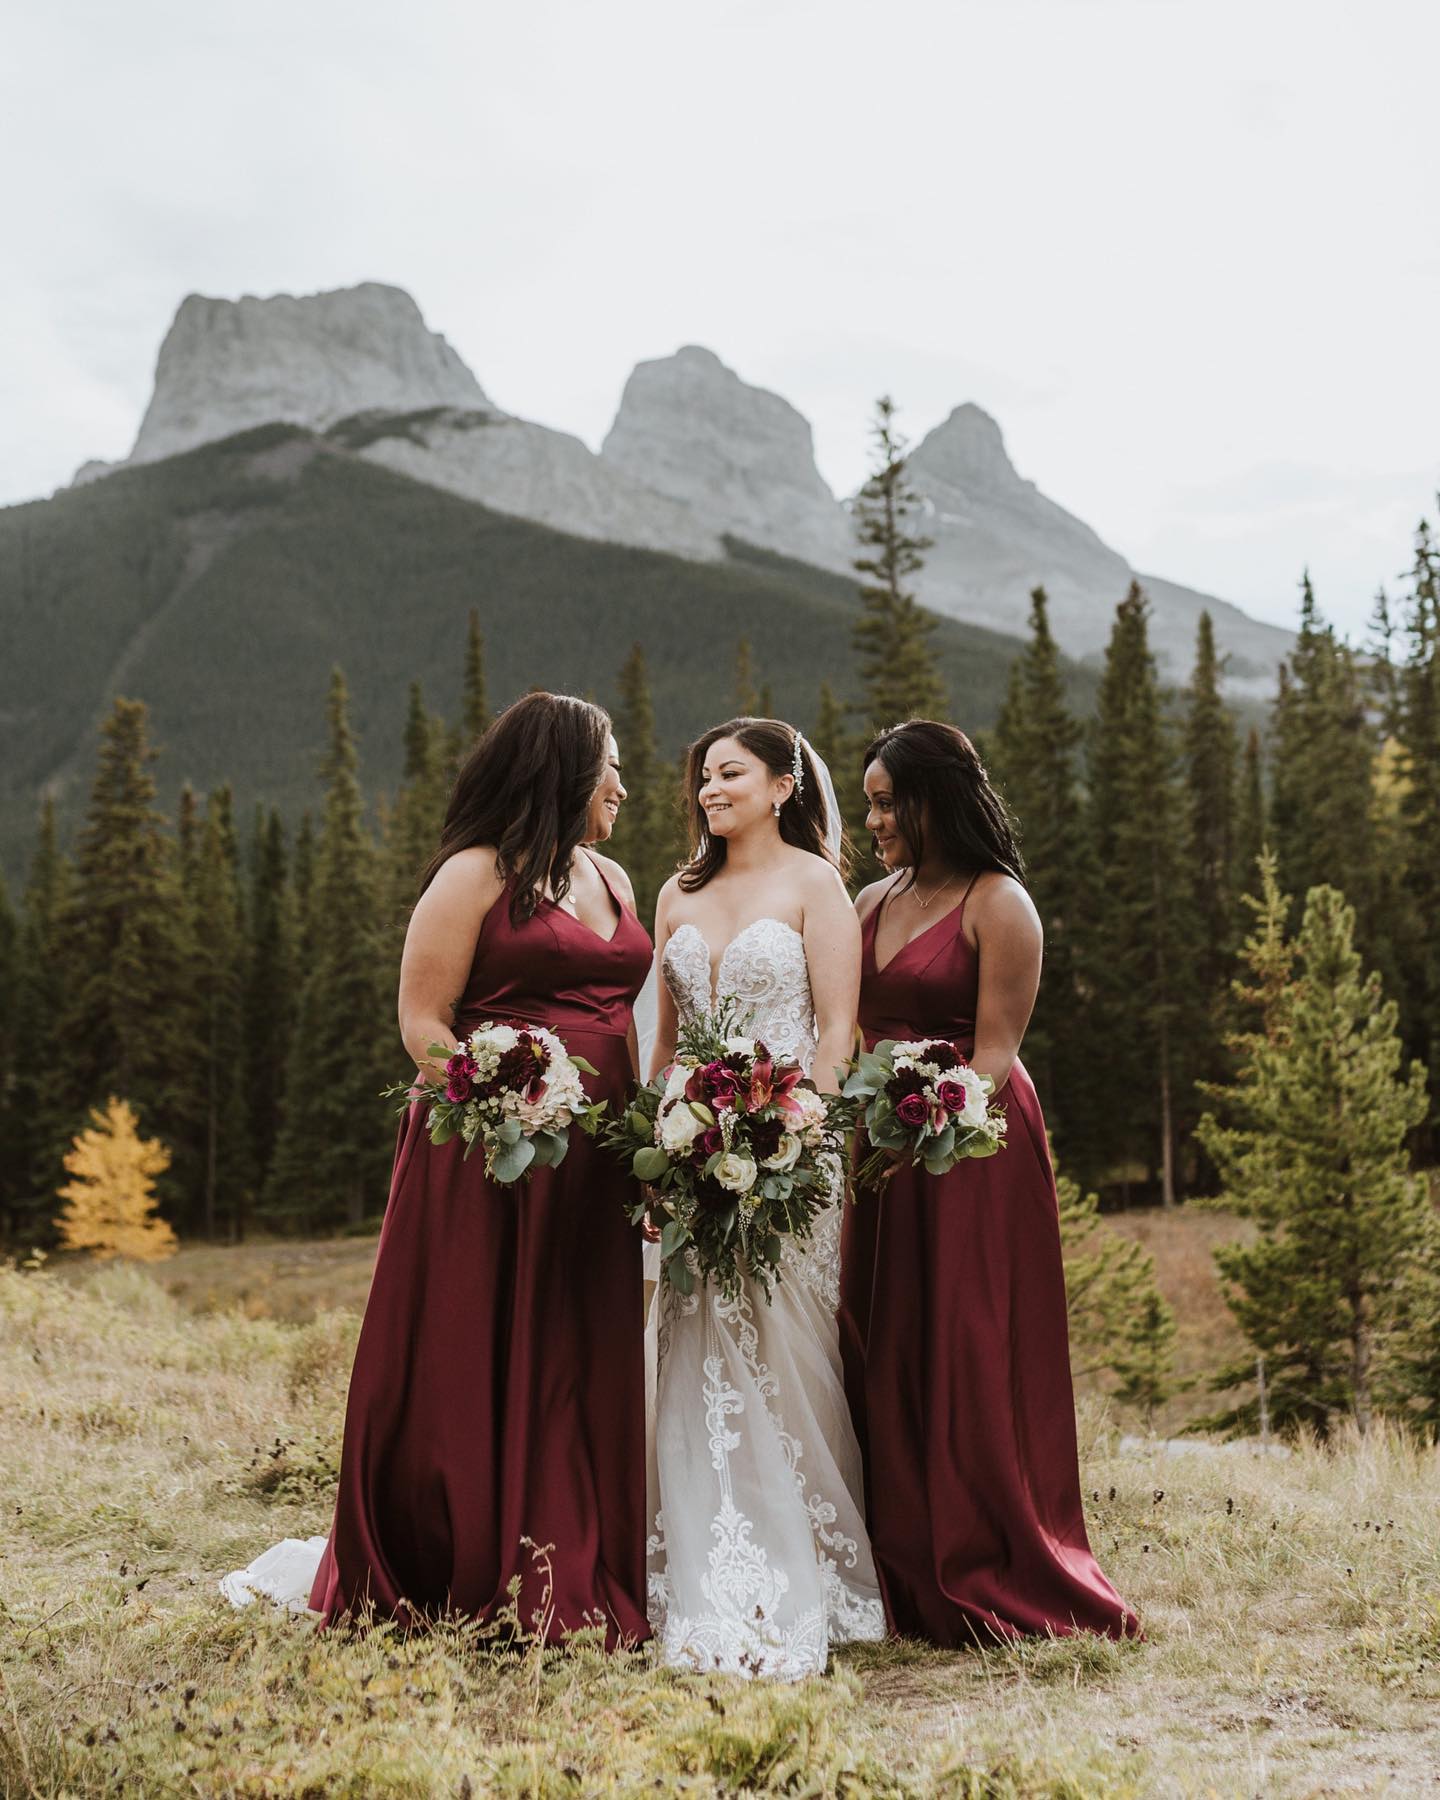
498,1391
957,1354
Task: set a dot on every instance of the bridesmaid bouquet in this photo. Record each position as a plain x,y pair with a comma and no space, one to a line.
513,1089
738,1155
921,1102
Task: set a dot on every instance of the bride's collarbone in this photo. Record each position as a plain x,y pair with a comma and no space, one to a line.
720,931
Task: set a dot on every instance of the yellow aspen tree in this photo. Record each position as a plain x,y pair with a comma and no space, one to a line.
110,1202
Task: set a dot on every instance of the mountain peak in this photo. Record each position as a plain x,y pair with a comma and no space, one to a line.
966,450
740,458
311,360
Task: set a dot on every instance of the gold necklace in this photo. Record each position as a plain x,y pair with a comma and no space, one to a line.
924,903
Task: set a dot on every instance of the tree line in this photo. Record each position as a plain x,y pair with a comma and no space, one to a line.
234,981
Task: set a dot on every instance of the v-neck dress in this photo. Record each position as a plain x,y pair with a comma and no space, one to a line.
498,1392
957,1357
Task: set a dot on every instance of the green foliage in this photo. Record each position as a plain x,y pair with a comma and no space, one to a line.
130,1018
1119,1322
893,637
269,1006
1034,750
648,839
475,698
1141,945
329,1165
1315,1153
1321,826
219,994
41,1118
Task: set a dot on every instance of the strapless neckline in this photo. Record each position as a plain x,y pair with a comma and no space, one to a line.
717,968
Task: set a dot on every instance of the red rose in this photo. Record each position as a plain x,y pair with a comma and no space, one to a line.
952,1096
912,1110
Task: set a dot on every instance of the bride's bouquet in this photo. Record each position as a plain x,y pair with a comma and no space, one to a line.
738,1154
513,1089
921,1102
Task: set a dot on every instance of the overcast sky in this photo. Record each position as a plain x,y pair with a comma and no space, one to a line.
1187,252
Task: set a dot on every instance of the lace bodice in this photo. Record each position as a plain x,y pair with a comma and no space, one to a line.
764,968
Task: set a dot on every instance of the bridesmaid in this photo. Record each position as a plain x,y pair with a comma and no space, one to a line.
952,1289
498,1392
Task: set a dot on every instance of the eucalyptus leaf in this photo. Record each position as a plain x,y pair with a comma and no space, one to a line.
511,1161
650,1164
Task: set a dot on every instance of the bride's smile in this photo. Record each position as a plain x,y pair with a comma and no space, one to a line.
737,791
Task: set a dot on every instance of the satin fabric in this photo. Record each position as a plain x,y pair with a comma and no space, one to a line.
957,1356
498,1391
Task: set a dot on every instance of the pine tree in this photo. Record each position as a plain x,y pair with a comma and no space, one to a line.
1140,939
841,750
42,1120
330,1154
130,1020
1324,746
1145,1357
1251,828
1209,854
413,828
475,709
1315,1154
270,978
10,1124
303,883
647,840
220,1001
1034,749
1110,1295
1418,803
893,635
110,1198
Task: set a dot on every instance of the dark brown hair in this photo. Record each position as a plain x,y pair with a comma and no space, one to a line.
526,789
935,768
802,820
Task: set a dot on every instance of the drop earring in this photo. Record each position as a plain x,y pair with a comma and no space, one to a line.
777,809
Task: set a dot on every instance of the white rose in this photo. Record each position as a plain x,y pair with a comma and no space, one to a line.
787,1155
973,1113
740,1046
736,1172
676,1080
501,1038
679,1128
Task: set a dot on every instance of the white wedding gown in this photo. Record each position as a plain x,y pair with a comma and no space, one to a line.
759,1562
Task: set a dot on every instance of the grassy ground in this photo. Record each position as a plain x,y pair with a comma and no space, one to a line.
1292,1606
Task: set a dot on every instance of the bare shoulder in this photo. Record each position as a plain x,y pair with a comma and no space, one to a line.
617,875
817,876
468,872
871,895
1001,905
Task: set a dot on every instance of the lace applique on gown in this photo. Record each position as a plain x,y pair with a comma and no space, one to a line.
758,1557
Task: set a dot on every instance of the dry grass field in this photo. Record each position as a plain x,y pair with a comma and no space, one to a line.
1292,1607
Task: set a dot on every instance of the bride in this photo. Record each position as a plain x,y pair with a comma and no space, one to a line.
758,1556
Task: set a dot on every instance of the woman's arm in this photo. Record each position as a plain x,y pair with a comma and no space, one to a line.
1010,943
625,891
832,950
439,949
667,1025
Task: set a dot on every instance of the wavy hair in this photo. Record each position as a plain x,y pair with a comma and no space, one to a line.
802,818
525,789
934,769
